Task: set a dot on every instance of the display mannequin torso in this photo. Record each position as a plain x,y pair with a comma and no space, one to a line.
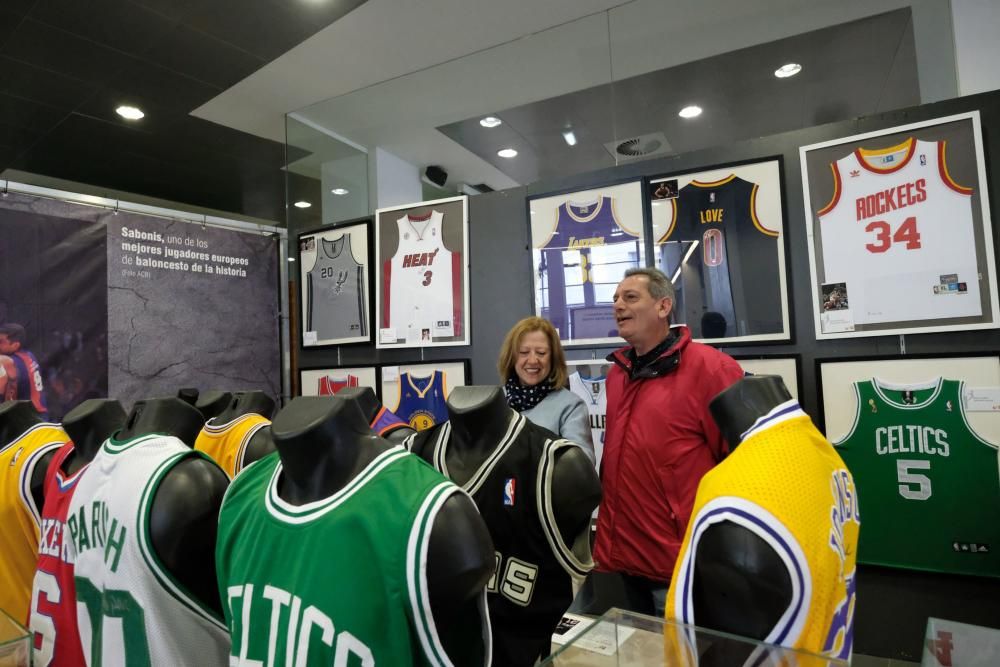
89,425
536,494
16,417
328,454
250,402
372,409
183,524
211,403
741,585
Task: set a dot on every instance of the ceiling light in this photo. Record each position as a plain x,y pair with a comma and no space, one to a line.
130,113
569,137
690,112
302,204
490,121
340,191
785,71
507,153
291,259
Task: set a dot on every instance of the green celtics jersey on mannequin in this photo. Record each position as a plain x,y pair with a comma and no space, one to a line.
338,581
928,485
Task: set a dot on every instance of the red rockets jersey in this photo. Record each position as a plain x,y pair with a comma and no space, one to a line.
56,640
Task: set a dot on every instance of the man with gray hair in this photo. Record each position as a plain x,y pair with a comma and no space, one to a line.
660,438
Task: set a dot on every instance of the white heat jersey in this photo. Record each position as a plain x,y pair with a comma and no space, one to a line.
129,608
899,232
594,393
421,287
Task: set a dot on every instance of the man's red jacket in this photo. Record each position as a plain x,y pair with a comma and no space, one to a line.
660,439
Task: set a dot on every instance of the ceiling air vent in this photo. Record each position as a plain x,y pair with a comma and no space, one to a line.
641,147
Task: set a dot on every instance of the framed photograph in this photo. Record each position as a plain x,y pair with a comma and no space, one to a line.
719,235
328,381
334,284
422,287
587,380
920,436
582,243
417,392
785,367
900,239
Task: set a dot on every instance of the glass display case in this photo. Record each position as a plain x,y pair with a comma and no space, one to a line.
625,638
953,644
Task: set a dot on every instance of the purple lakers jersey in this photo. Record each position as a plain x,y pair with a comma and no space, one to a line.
587,241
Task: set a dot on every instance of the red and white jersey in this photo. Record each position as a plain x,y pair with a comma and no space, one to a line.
53,593
899,232
422,280
329,385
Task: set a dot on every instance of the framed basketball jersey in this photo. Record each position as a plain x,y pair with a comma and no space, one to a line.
924,456
900,238
582,242
422,282
719,236
334,285
329,381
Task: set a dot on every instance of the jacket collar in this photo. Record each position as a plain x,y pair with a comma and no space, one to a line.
664,364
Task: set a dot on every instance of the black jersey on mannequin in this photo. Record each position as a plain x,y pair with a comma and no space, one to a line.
536,493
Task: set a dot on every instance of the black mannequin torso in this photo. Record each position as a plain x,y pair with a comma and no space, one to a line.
247,402
324,442
183,525
188,394
479,416
16,417
370,407
211,403
89,425
741,585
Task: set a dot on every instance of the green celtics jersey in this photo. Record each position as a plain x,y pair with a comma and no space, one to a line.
928,485
338,581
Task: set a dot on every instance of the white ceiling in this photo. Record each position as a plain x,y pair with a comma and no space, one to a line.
389,72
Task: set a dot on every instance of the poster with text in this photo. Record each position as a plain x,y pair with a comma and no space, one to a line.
190,306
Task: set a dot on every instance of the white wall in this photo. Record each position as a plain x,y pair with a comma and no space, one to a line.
977,48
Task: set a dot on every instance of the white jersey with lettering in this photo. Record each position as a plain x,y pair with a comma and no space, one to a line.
594,393
421,281
899,232
130,610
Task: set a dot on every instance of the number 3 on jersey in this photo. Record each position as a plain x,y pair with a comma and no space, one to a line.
885,237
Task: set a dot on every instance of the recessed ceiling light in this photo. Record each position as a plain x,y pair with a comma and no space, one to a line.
301,204
340,191
490,121
785,71
690,112
569,137
507,153
130,113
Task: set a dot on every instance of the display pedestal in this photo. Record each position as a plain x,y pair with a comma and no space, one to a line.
625,638
15,643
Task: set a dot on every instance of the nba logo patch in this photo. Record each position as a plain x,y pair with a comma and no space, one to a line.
509,487
923,160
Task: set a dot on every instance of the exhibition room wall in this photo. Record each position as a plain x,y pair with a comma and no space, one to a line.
893,604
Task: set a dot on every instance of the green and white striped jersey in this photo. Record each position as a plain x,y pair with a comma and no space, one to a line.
338,581
130,610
